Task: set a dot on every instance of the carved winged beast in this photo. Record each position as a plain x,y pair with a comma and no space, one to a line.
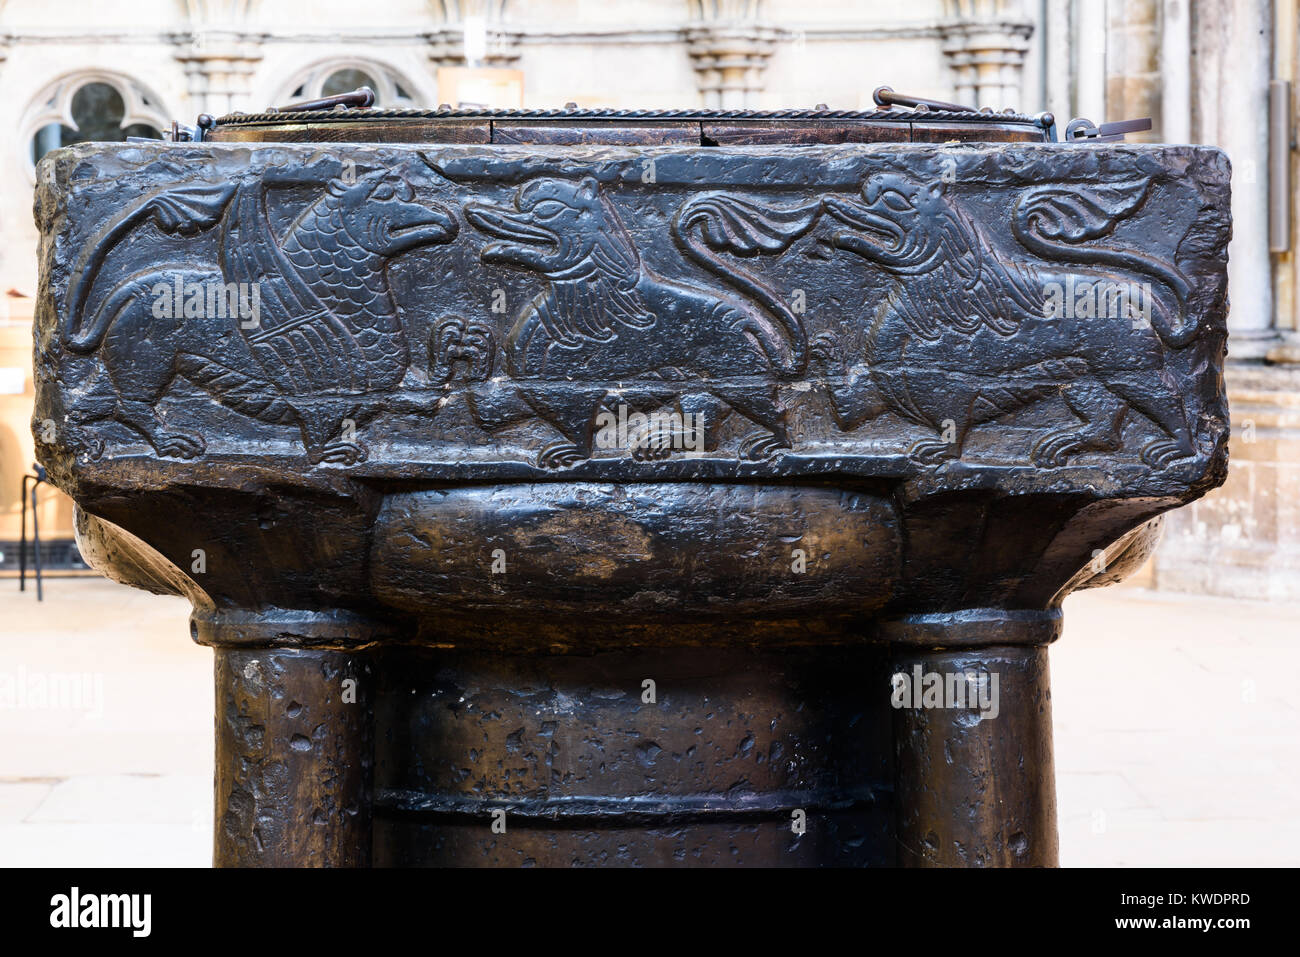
964,337
605,316
328,327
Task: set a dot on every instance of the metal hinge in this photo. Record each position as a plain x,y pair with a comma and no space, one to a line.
885,97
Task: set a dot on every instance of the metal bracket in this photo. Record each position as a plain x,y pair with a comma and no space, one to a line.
1081,129
885,97
35,481
180,133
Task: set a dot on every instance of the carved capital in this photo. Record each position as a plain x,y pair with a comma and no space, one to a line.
219,65
729,60
986,46
447,46
455,17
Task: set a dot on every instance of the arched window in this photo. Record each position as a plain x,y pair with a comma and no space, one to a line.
91,107
334,76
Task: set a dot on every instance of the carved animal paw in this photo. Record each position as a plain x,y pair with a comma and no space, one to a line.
1164,452
343,453
179,445
1056,449
560,456
756,448
933,451
651,452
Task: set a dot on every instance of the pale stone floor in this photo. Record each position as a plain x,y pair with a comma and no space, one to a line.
1177,722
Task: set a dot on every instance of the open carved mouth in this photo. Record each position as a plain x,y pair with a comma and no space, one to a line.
444,223
865,219
514,228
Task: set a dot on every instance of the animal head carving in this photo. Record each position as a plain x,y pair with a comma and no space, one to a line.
469,344
380,213
557,227
901,226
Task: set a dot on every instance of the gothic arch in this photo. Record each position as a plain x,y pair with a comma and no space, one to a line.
141,106
393,88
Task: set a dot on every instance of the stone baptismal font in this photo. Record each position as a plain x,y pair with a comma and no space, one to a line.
630,488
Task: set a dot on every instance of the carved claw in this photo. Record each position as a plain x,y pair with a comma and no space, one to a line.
651,445
178,444
1164,452
344,453
933,451
94,448
561,455
756,448
1056,449
651,451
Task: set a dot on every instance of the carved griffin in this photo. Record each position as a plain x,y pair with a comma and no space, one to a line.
605,316
328,328
964,337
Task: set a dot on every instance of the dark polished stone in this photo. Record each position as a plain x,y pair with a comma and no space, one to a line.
513,429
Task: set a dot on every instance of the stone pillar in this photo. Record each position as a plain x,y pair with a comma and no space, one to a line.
1233,50
1243,541
1059,43
1133,76
294,756
986,44
1090,60
220,68
730,756
975,785
220,56
1175,72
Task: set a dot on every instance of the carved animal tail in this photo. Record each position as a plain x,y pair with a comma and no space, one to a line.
185,210
1053,221
743,228
134,290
